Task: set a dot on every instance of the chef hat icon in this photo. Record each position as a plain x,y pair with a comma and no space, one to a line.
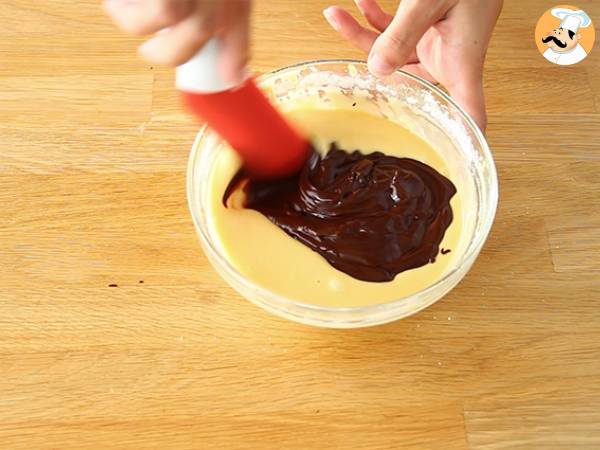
572,20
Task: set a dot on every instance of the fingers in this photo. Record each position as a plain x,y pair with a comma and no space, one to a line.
235,43
376,17
347,26
394,46
468,93
342,22
141,17
175,45
182,27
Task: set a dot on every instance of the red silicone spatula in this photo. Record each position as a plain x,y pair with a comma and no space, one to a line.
242,115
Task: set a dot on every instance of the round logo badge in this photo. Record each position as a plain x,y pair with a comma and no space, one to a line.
565,35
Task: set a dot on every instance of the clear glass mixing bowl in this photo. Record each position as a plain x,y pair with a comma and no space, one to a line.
414,102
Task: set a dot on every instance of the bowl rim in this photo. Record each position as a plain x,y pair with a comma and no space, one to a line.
474,248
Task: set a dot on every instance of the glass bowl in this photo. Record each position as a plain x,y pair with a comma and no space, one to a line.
406,98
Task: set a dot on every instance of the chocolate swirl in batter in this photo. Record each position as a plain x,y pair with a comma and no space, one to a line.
371,216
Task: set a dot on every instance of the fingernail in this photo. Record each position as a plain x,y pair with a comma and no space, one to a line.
150,52
328,13
379,66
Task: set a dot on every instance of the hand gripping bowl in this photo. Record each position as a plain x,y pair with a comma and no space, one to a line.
417,104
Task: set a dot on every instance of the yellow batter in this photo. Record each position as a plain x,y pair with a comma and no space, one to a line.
270,258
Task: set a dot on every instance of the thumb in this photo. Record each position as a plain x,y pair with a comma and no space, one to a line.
235,43
468,93
393,47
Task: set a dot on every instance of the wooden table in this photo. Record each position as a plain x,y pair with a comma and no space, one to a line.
93,148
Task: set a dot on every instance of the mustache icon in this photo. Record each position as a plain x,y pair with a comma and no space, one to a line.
555,40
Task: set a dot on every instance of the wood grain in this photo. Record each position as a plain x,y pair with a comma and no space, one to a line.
92,186
572,239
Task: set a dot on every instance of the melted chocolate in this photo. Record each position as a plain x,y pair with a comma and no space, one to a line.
371,216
